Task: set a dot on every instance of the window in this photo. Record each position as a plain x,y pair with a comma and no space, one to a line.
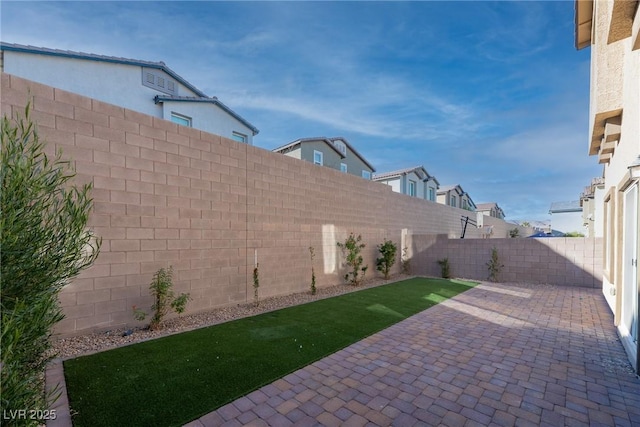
340,146
464,203
432,195
180,119
343,167
317,157
412,188
453,201
366,174
237,136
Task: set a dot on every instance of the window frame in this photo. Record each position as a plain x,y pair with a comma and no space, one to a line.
179,116
320,155
412,190
343,167
239,137
366,174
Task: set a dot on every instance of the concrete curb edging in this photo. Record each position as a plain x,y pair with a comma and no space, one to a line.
55,385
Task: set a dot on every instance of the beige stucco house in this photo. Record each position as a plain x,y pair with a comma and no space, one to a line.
454,195
592,202
612,29
414,182
336,153
490,209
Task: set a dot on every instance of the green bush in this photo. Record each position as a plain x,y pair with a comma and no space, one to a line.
387,251
312,253
494,266
256,285
351,249
405,261
162,290
445,268
45,243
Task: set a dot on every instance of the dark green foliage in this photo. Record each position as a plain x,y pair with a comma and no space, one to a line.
351,249
313,272
405,261
445,268
494,266
161,289
573,234
256,285
176,379
387,251
44,244
515,232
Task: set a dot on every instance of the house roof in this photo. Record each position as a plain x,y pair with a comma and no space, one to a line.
486,206
213,100
447,188
420,170
566,206
201,96
329,141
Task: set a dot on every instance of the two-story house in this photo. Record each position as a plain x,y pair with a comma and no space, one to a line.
454,195
414,182
148,87
490,209
611,28
335,153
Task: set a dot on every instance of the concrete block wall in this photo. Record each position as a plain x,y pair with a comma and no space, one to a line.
208,206
557,261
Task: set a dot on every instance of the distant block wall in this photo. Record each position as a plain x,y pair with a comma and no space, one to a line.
571,261
171,195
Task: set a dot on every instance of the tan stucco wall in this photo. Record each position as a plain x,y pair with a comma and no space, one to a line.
615,84
169,195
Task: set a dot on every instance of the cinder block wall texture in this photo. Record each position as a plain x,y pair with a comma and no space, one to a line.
556,261
210,207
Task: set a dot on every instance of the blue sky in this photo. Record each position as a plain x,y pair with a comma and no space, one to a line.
489,95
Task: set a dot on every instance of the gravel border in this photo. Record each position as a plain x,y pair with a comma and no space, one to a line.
68,348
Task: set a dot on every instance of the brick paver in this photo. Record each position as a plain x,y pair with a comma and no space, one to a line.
495,355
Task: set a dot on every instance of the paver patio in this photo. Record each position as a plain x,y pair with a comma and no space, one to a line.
494,355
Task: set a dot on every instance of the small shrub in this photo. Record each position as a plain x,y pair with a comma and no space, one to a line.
445,268
515,232
494,266
313,273
256,285
45,243
405,261
351,249
161,288
573,234
388,251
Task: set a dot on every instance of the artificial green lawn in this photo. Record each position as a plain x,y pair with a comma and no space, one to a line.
173,380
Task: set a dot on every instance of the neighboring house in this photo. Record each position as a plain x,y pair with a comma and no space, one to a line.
335,153
414,182
612,29
454,195
566,216
148,87
490,209
592,201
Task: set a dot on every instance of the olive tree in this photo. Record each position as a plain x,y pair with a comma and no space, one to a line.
44,243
